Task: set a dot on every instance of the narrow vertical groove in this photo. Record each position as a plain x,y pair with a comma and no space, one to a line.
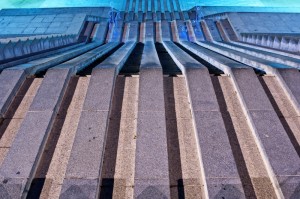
175,169
112,140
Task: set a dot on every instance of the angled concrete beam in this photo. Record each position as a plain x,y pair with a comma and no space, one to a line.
86,160
151,162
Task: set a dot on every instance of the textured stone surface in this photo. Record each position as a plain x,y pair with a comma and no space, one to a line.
148,189
151,152
79,189
51,90
252,91
10,82
86,155
151,90
22,157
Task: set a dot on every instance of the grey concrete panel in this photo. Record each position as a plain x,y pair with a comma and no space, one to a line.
79,189
103,77
277,145
10,82
152,189
179,56
151,150
150,58
213,58
217,157
51,90
12,188
100,90
292,79
225,188
43,61
251,90
22,158
151,89
201,90
165,31
149,35
133,31
86,155
290,186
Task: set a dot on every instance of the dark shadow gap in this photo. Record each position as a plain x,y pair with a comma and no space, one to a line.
40,180
233,140
132,64
280,116
41,73
168,65
112,140
88,70
175,168
211,68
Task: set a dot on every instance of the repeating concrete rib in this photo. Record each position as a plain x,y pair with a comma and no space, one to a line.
66,131
255,47
264,55
151,163
221,179
206,31
85,163
165,30
35,57
227,27
20,164
222,32
265,125
12,78
265,65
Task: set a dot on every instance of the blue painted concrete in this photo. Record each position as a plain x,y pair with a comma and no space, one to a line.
121,4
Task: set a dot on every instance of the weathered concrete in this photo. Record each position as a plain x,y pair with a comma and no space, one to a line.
152,169
208,119
87,153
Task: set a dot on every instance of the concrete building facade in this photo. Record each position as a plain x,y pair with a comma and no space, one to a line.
149,102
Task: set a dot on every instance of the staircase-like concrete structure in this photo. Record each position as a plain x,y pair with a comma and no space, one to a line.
151,103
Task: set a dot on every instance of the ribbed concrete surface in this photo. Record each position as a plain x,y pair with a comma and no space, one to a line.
174,119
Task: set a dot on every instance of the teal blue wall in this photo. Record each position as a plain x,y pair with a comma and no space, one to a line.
119,4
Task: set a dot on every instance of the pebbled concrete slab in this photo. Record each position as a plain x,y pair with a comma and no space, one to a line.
151,148
49,94
79,188
10,82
